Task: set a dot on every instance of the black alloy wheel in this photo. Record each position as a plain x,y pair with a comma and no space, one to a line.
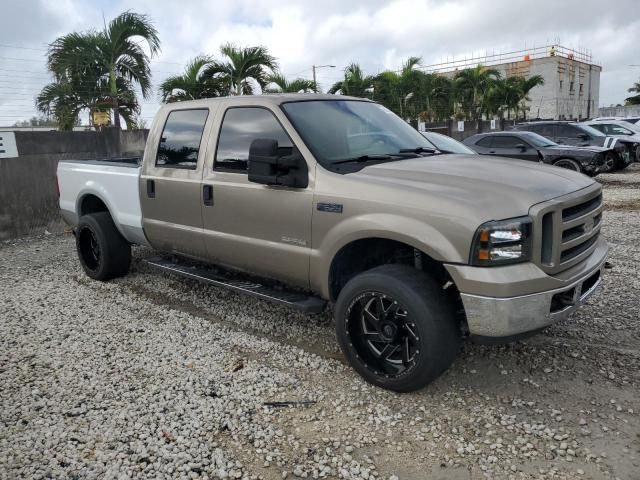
396,327
89,248
383,334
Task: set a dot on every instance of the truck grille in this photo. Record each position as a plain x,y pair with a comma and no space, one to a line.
567,229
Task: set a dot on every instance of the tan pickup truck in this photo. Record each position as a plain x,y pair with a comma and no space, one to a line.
310,200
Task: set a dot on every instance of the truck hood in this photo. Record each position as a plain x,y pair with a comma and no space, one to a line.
477,186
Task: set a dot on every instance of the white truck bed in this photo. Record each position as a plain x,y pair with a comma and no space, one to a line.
113,182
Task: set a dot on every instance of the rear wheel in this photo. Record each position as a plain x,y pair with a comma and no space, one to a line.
103,252
568,164
396,327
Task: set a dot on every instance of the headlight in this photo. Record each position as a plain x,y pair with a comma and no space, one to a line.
502,242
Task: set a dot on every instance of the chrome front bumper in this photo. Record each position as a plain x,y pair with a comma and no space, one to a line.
506,317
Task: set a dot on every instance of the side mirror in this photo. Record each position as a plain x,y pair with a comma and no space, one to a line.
268,167
583,136
521,146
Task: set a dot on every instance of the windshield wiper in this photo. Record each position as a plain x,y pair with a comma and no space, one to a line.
365,158
418,150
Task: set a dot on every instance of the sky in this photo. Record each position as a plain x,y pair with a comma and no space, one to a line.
376,34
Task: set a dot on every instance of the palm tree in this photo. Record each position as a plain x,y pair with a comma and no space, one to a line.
395,89
61,101
635,99
436,96
282,85
65,98
525,85
193,83
474,84
355,82
242,68
106,58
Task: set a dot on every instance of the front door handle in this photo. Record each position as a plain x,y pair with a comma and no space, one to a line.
207,195
151,188
492,151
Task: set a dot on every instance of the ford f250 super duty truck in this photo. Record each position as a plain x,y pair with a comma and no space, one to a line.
311,200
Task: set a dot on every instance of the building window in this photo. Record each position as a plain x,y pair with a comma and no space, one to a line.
560,84
581,88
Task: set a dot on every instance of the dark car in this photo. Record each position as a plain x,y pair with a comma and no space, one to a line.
446,144
536,148
572,133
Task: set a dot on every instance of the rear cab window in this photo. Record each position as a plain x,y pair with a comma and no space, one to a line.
181,137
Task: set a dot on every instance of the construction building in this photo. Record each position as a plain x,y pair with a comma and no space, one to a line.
571,87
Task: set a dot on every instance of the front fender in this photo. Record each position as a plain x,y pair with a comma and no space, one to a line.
410,231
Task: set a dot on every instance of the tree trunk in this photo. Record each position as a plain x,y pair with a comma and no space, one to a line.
113,87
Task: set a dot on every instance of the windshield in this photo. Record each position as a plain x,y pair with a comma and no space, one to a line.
339,130
591,131
447,144
538,140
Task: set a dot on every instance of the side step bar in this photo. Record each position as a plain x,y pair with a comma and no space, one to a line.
298,300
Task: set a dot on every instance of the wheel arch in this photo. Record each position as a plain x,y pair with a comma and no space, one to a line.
349,260
90,201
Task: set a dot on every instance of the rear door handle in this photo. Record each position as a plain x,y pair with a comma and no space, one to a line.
151,188
492,151
207,195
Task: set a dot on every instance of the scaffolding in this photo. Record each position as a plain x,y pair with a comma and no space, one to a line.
520,58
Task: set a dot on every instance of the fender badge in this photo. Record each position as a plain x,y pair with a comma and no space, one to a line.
329,207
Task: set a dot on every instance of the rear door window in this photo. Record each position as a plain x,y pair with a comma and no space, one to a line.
180,141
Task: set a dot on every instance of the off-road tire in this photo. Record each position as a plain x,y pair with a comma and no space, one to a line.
425,304
103,252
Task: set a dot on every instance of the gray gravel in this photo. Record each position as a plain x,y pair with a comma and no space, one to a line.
154,376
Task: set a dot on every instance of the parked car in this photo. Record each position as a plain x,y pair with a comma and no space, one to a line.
572,133
617,128
313,199
536,148
446,144
632,120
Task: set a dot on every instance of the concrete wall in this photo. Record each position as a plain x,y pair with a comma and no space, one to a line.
625,111
469,128
28,194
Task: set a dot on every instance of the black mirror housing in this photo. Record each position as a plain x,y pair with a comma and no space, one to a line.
268,167
521,146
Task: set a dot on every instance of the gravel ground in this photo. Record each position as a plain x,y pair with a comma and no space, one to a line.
154,376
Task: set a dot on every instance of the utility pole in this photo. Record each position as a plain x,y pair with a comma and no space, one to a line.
314,67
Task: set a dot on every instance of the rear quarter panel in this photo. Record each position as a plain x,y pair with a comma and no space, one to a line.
116,186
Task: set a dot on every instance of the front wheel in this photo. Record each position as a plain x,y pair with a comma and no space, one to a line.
396,327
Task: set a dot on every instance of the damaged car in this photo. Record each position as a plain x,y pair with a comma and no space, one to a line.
578,134
536,148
